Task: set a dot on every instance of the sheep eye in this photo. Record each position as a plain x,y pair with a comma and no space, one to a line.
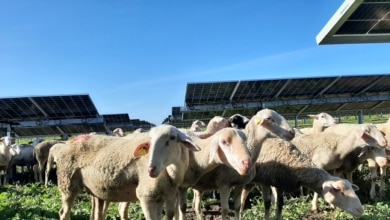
172,138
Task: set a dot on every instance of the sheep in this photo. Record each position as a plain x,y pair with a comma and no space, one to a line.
6,154
282,165
226,146
41,152
238,121
265,124
320,122
329,151
54,153
24,159
214,125
118,132
149,168
197,125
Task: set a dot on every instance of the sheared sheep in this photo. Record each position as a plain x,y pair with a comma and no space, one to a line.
330,150
227,146
282,165
6,154
197,125
214,125
24,159
118,132
41,153
149,167
265,124
54,154
320,122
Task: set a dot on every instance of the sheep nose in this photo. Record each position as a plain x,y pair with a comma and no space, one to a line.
383,163
151,169
247,164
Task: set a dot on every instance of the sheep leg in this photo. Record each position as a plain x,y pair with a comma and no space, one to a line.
280,202
68,200
182,199
274,197
373,175
314,206
170,207
225,194
98,208
244,194
266,191
151,209
123,209
382,186
237,193
197,203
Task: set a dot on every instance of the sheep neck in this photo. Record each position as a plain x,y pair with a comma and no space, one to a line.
347,144
199,162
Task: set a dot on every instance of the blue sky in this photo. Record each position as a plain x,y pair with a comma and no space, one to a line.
136,57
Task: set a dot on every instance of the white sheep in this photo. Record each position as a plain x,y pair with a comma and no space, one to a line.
149,167
41,153
54,154
118,132
373,166
320,122
197,125
6,154
24,159
329,150
226,146
214,125
282,165
265,124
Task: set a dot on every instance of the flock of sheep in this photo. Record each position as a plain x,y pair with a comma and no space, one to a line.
159,167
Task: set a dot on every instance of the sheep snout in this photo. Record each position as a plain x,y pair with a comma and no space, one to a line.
151,171
382,162
246,166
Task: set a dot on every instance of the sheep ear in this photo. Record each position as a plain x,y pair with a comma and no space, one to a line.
313,116
355,187
363,151
259,121
142,149
214,148
187,141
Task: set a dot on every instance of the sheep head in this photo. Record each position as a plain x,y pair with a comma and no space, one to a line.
268,122
167,144
229,146
341,193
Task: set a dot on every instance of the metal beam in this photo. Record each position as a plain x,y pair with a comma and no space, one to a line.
234,90
38,107
60,122
330,84
369,86
283,87
277,103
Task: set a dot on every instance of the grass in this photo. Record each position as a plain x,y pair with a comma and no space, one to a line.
34,201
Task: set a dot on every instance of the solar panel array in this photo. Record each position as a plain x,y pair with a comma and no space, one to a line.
292,97
55,115
358,21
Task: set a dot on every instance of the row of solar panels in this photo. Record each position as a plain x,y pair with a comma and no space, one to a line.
294,97
55,115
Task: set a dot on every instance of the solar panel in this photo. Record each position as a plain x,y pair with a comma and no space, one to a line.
291,97
358,21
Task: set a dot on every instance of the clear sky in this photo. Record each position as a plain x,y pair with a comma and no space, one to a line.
137,56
